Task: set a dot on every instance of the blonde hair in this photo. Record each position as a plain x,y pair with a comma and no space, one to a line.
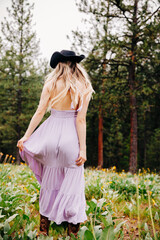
72,73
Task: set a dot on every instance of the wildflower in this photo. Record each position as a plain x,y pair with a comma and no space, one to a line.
153,201
9,177
106,204
110,182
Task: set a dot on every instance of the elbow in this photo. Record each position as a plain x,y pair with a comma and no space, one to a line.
38,115
40,112
81,120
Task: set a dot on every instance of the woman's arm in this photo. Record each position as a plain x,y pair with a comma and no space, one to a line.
81,124
37,117
41,109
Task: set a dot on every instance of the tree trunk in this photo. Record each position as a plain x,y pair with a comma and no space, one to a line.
145,150
133,136
19,92
133,113
100,138
18,159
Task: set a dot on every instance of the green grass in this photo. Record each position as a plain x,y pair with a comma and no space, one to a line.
119,205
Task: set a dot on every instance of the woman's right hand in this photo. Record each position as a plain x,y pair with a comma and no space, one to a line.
20,142
82,158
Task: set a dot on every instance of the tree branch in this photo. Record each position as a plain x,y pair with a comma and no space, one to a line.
123,10
151,15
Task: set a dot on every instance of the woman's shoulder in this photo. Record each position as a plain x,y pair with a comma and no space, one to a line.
48,85
59,87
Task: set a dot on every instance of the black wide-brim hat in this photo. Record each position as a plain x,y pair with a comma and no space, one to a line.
64,56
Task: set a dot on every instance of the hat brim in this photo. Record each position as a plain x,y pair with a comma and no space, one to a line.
58,57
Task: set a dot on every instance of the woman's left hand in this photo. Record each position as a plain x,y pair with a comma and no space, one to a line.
82,158
20,142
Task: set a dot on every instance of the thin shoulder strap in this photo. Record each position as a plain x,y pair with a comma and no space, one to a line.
81,101
81,105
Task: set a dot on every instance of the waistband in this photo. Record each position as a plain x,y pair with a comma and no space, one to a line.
63,113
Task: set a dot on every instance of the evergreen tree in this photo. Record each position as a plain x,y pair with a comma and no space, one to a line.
20,80
139,16
132,45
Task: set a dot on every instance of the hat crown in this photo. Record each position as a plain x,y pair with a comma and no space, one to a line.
68,53
64,56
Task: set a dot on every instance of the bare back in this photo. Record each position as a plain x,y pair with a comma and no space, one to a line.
65,103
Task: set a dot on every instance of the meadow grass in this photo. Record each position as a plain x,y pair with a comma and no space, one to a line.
119,205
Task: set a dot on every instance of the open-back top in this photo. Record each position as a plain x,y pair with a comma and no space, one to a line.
72,107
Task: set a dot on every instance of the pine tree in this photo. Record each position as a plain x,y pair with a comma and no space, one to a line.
138,17
136,36
19,80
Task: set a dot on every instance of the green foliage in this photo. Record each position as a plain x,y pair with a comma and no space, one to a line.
20,78
110,52
153,153
19,196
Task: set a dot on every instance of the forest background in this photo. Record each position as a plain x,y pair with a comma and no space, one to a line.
123,119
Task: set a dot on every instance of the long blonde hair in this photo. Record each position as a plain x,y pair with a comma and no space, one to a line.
72,73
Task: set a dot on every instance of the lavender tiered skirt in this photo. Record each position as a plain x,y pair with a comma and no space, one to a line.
50,152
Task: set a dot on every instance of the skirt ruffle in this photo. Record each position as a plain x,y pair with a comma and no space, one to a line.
62,193
34,165
64,189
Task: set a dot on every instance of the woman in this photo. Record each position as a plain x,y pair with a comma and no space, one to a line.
56,150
